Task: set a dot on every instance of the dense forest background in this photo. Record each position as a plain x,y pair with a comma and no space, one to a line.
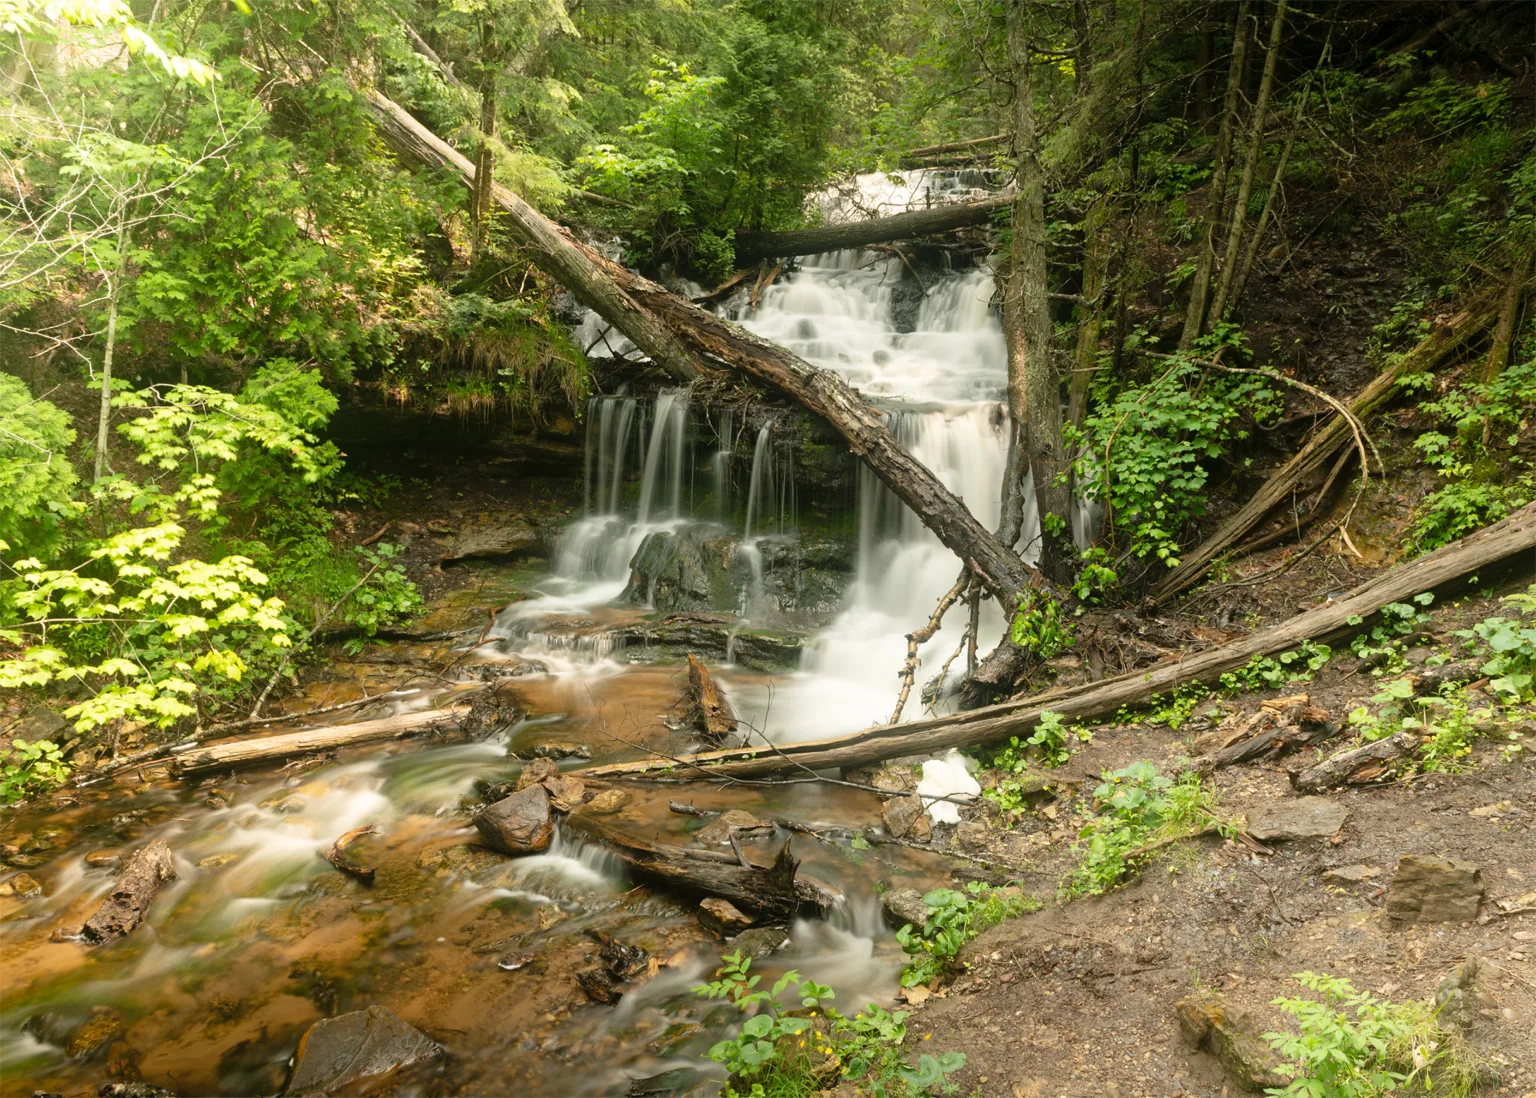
206,250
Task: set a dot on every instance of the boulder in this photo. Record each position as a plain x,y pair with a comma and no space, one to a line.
519,824
539,770
607,802
511,538
127,904
718,831
22,885
1208,1021
722,916
1427,889
905,818
1298,819
562,751
341,1052
760,942
903,906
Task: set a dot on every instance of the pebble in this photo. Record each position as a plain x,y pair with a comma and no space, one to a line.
99,858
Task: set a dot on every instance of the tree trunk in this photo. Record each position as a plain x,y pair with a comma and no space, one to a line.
485,168
1194,319
114,294
927,152
1091,319
689,342
1320,449
1266,215
1205,49
1250,166
1509,315
710,714
1513,537
1364,763
234,753
1034,389
754,246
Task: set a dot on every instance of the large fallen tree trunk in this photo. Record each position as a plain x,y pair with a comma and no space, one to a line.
750,246
1320,449
234,753
1511,537
772,893
689,341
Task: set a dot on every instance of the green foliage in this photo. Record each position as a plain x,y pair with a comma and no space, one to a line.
777,1052
1355,1045
1137,806
1509,645
1271,673
1040,625
36,481
1178,707
954,918
1047,745
1148,449
1396,620
1095,579
31,768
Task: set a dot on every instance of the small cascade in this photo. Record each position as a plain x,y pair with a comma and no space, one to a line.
760,490
720,465
664,457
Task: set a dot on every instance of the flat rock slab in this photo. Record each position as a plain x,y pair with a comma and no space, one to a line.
511,539
1346,875
903,906
760,942
718,831
1427,889
1302,818
340,1053
519,824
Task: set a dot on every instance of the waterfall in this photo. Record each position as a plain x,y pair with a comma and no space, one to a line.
760,487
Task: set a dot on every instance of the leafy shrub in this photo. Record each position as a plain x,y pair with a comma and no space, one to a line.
36,481
1510,647
1040,625
1137,806
1394,621
954,918
32,767
778,1053
1271,673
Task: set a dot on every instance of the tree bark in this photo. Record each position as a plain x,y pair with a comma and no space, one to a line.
689,342
955,146
114,295
754,246
1509,314
485,167
1034,389
235,753
1091,319
1514,536
1347,766
1194,319
149,868
1250,166
1320,449
711,714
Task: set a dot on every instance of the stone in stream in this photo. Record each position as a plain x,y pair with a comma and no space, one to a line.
98,858
722,917
365,1045
760,942
1426,889
606,803
905,818
538,770
519,824
1301,818
622,960
600,985
903,906
1207,1020
125,907
103,1025
21,885
562,751
718,831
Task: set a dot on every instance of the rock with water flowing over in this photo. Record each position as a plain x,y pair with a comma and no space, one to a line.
719,830
339,1053
149,868
519,824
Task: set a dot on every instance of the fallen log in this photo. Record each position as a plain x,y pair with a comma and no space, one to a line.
1320,449
235,753
1510,537
711,714
1358,764
955,146
773,894
337,855
753,246
149,868
689,342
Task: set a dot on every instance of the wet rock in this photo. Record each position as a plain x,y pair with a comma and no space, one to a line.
27,861
674,1037
127,824
149,868
1298,819
364,1045
36,846
676,1083
892,777
607,802
99,858
600,986
552,915
92,1034
683,570
511,538
760,942
539,770
566,792
561,751
290,805
1426,889
20,885
218,861
1345,876
903,906
718,831
1208,1021
511,962
623,960
8,851
132,1090
971,836
722,917
905,818
519,824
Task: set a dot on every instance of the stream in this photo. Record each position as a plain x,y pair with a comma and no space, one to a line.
259,937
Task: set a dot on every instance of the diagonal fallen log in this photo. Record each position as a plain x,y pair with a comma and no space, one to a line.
1513,537
1355,765
1320,449
689,342
127,904
235,753
709,712
750,246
